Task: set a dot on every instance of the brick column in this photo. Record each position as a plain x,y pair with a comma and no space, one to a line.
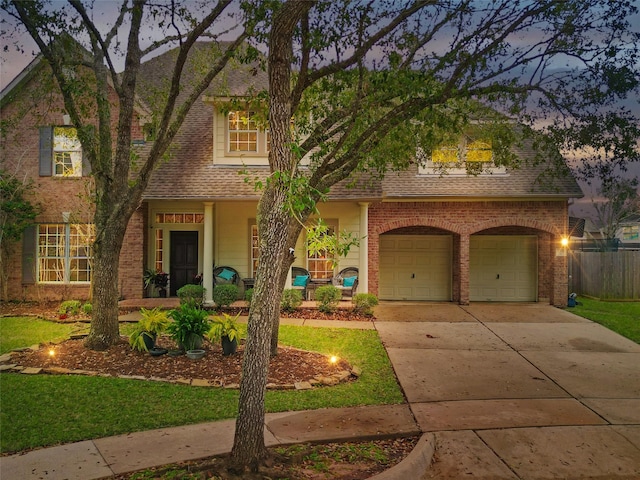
560,291
463,255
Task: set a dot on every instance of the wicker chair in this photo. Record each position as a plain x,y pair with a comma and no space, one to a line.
300,272
225,276
339,281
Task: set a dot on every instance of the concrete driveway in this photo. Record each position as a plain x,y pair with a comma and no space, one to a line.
517,391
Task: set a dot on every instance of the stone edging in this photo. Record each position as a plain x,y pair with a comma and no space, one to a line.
333,379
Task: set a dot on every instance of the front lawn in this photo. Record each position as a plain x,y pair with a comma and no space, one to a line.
43,410
19,332
621,317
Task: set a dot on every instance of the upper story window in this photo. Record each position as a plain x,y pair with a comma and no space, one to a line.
61,153
244,134
470,156
630,232
67,152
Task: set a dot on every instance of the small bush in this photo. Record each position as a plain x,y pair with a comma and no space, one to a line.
364,303
191,294
291,299
327,298
248,294
225,295
69,307
87,308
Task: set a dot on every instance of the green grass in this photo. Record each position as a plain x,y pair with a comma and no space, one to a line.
42,410
19,332
621,317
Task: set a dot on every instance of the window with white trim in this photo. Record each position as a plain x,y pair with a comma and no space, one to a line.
470,156
254,249
65,252
321,264
61,153
67,152
244,134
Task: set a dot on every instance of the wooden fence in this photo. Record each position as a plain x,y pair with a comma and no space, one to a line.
605,275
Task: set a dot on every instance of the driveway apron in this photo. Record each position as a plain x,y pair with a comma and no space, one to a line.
517,391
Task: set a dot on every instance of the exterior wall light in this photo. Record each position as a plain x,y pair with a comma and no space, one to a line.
564,242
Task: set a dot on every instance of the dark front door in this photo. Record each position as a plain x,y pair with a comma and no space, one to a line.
184,259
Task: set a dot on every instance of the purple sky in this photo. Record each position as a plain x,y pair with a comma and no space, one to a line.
13,62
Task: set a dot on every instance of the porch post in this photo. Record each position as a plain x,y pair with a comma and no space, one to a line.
207,257
464,268
363,274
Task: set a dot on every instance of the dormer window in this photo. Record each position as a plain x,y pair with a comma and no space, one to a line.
244,135
470,156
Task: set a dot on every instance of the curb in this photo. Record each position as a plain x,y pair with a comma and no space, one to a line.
415,464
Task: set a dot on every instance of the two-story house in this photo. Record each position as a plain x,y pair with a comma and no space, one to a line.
494,235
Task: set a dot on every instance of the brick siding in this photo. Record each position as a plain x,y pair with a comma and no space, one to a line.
545,219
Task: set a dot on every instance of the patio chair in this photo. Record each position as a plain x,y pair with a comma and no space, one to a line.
225,276
346,281
300,278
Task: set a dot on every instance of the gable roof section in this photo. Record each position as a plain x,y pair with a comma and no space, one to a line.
190,173
522,182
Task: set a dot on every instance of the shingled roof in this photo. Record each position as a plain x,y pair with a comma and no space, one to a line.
531,179
189,172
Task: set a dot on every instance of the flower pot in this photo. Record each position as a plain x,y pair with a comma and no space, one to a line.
149,340
195,354
157,351
192,342
229,347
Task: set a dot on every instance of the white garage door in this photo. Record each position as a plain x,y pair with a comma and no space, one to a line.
503,268
415,267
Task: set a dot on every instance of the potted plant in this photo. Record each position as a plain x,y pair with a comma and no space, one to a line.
189,326
225,328
156,279
152,324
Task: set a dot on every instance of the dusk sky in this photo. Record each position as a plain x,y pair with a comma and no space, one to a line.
13,62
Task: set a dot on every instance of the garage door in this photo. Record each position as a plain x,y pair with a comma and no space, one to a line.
415,267
503,268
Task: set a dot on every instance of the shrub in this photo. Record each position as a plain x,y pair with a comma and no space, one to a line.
364,303
225,295
189,325
291,299
327,298
152,324
87,308
248,294
69,307
191,293
224,325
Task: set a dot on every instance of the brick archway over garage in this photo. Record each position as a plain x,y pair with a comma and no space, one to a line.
547,219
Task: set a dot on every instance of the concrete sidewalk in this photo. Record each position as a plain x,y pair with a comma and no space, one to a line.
502,391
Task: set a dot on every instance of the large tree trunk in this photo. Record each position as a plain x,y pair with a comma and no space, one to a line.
273,221
274,225
104,320
294,232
